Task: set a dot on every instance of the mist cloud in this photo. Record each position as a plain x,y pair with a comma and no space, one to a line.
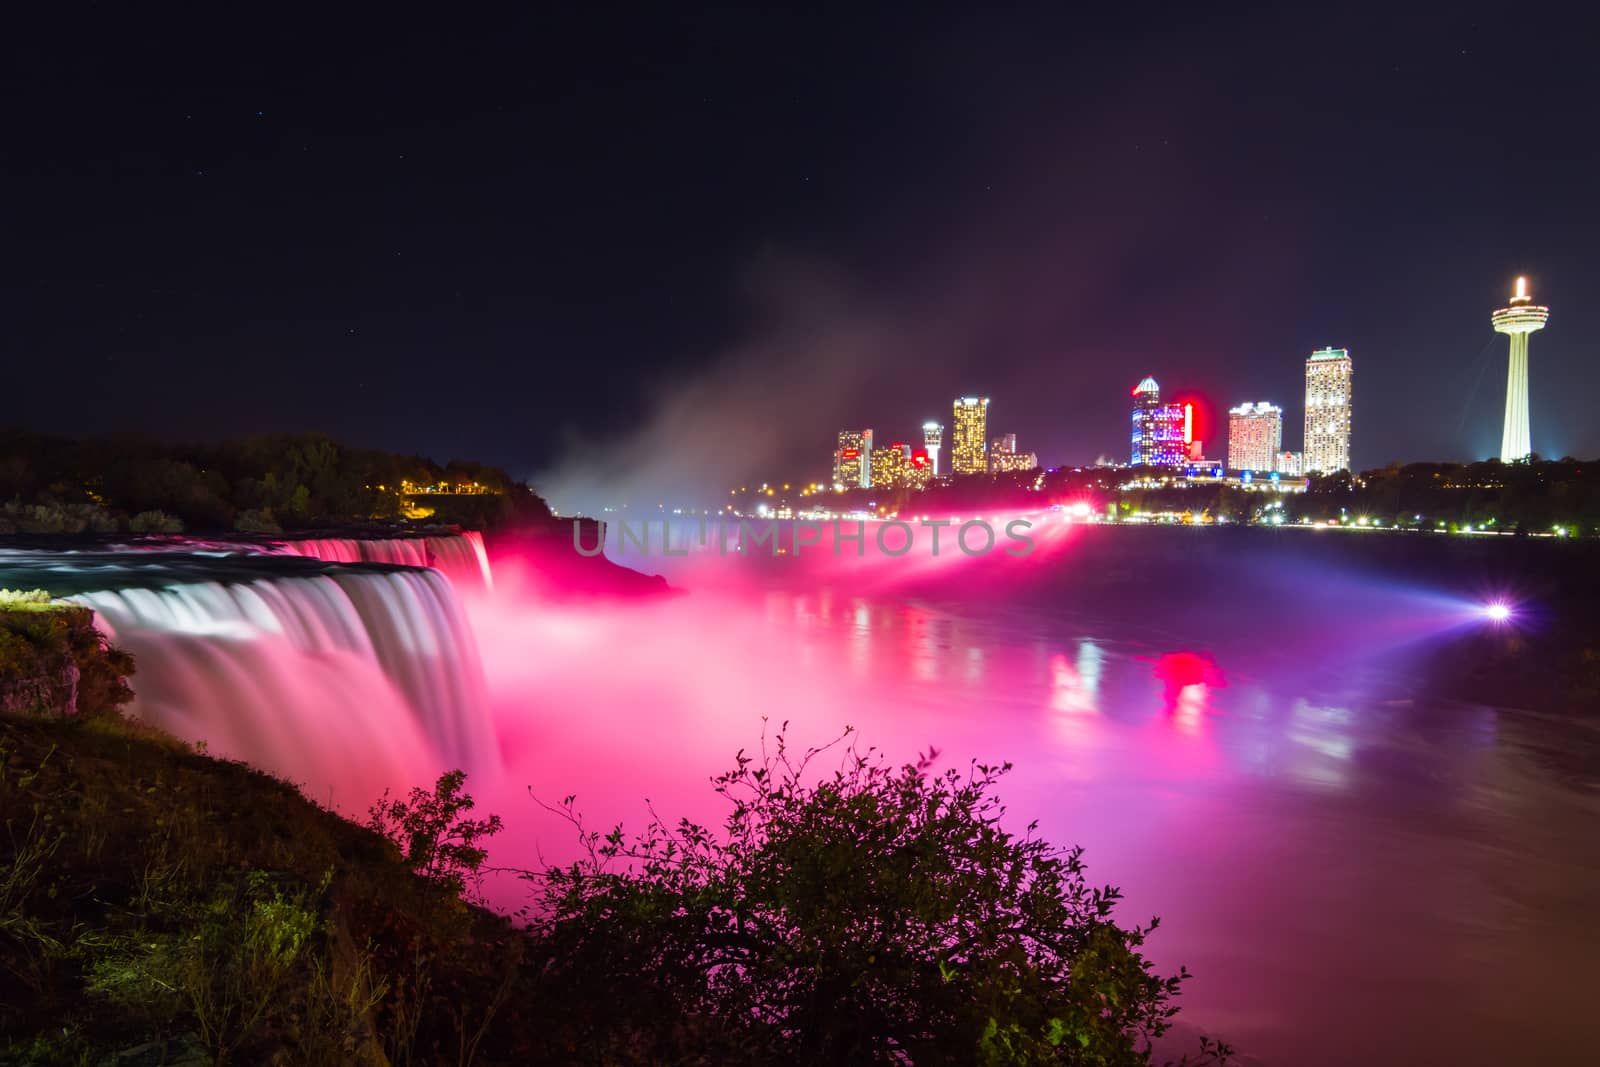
817,345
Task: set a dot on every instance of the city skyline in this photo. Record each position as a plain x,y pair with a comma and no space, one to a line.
1328,407
1253,435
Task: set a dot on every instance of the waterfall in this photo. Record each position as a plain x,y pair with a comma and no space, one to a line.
354,679
459,556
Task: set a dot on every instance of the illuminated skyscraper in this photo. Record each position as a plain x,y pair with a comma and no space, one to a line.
852,460
1159,430
1255,434
1328,379
932,438
967,435
1003,455
921,471
891,466
1519,320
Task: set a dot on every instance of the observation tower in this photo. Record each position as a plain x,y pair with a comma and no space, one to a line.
1518,321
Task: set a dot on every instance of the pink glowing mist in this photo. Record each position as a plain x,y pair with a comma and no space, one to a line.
620,702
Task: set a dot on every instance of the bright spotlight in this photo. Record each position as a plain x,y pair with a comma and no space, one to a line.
1497,611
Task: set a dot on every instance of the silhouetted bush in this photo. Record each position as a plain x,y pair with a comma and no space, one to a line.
155,522
871,915
258,521
434,833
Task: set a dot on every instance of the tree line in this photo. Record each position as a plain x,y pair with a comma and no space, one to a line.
1537,496
261,484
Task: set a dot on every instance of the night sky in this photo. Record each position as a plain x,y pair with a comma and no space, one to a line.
676,250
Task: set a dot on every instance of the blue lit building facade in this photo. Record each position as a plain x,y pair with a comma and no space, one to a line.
1158,429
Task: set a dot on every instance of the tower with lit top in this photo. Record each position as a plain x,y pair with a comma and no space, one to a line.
1518,321
932,438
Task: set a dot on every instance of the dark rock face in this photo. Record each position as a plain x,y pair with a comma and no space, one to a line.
53,693
547,548
54,662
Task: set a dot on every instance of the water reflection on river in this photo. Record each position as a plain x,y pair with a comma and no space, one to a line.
1353,874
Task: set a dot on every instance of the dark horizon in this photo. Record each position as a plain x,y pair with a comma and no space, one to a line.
654,250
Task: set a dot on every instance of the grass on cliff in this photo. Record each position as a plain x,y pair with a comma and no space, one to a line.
24,600
157,900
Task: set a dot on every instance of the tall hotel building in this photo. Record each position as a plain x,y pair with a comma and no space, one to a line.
932,438
967,429
1255,435
891,466
852,460
1003,456
1328,375
1158,429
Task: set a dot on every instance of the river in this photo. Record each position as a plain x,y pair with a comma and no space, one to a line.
1356,872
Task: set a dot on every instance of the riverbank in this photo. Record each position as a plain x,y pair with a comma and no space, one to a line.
160,906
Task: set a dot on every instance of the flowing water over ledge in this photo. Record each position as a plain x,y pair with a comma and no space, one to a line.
461,557
347,678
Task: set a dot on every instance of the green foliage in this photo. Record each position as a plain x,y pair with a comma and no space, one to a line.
154,898
158,522
257,520
874,914
434,834
339,1009
256,484
1532,496
26,871
1529,496
225,962
55,517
